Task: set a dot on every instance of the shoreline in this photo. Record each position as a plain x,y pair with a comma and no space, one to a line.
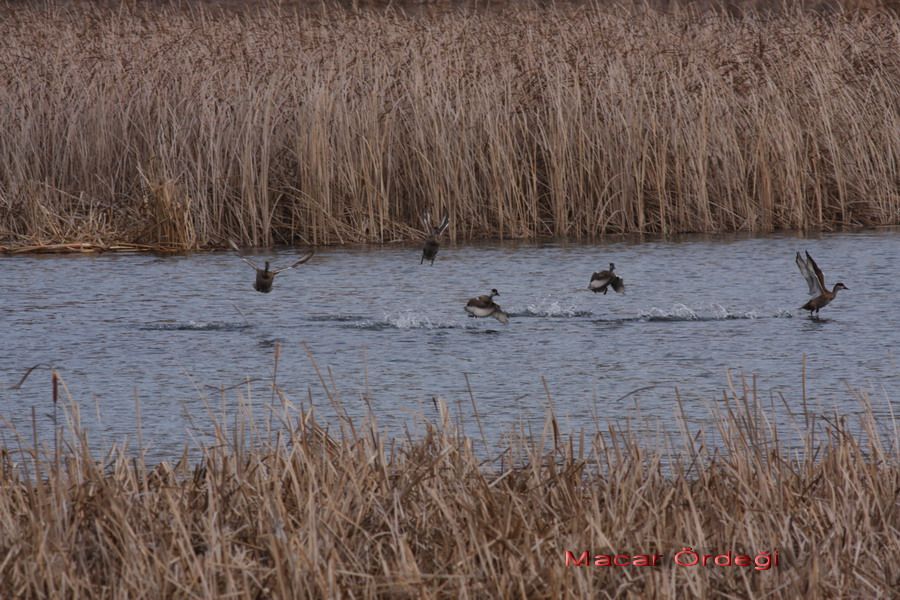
122,247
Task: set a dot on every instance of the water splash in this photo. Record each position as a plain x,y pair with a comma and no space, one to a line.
682,312
551,309
405,321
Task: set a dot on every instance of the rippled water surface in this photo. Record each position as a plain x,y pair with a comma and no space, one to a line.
165,333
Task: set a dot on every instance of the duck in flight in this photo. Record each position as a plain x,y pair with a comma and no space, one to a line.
484,306
265,277
430,250
602,281
815,279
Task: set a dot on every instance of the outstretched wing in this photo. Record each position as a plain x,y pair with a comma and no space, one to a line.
811,274
299,262
618,285
426,221
243,258
445,222
819,274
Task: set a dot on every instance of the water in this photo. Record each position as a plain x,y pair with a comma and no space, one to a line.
165,333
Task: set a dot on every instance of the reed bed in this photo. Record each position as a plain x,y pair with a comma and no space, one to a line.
181,128
283,508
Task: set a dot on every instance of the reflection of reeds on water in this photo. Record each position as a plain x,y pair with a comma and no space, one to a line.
178,128
281,508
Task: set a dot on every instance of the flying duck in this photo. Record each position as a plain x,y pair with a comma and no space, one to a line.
815,279
430,250
484,306
265,276
600,282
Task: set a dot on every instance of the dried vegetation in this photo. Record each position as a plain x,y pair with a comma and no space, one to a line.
180,128
281,508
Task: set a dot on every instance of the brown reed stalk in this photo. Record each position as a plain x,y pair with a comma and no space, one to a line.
181,128
292,511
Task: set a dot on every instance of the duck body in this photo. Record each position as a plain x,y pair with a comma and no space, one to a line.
264,280
823,299
815,280
603,280
431,247
430,250
265,276
484,306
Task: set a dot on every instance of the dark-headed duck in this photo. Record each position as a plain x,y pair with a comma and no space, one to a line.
602,281
430,250
266,276
484,306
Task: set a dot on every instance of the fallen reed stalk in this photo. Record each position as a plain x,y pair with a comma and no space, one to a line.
283,509
181,128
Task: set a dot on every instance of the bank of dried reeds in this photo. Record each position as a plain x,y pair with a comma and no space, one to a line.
289,511
180,128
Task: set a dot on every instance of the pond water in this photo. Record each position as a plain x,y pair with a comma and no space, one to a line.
166,333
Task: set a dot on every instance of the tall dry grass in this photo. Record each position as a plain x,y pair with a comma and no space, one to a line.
279,508
182,127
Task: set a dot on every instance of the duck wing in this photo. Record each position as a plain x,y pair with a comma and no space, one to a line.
819,274
811,273
618,285
299,262
243,258
445,222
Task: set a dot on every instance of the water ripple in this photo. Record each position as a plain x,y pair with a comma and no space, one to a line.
195,326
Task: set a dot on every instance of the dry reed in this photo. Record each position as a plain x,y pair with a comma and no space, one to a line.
183,128
288,511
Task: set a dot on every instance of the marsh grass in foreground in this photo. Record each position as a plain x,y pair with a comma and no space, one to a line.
283,509
183,128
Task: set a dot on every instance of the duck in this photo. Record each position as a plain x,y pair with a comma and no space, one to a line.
601,282
265,276
484,306
430,250
815,279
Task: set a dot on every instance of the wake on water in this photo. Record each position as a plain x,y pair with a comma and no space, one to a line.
410,320
710,312
551,310
195,326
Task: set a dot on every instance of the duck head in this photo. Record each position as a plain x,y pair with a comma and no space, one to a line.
494,292
839,286
266,270
612,267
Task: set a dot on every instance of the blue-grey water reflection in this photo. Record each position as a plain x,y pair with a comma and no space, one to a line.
165,332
